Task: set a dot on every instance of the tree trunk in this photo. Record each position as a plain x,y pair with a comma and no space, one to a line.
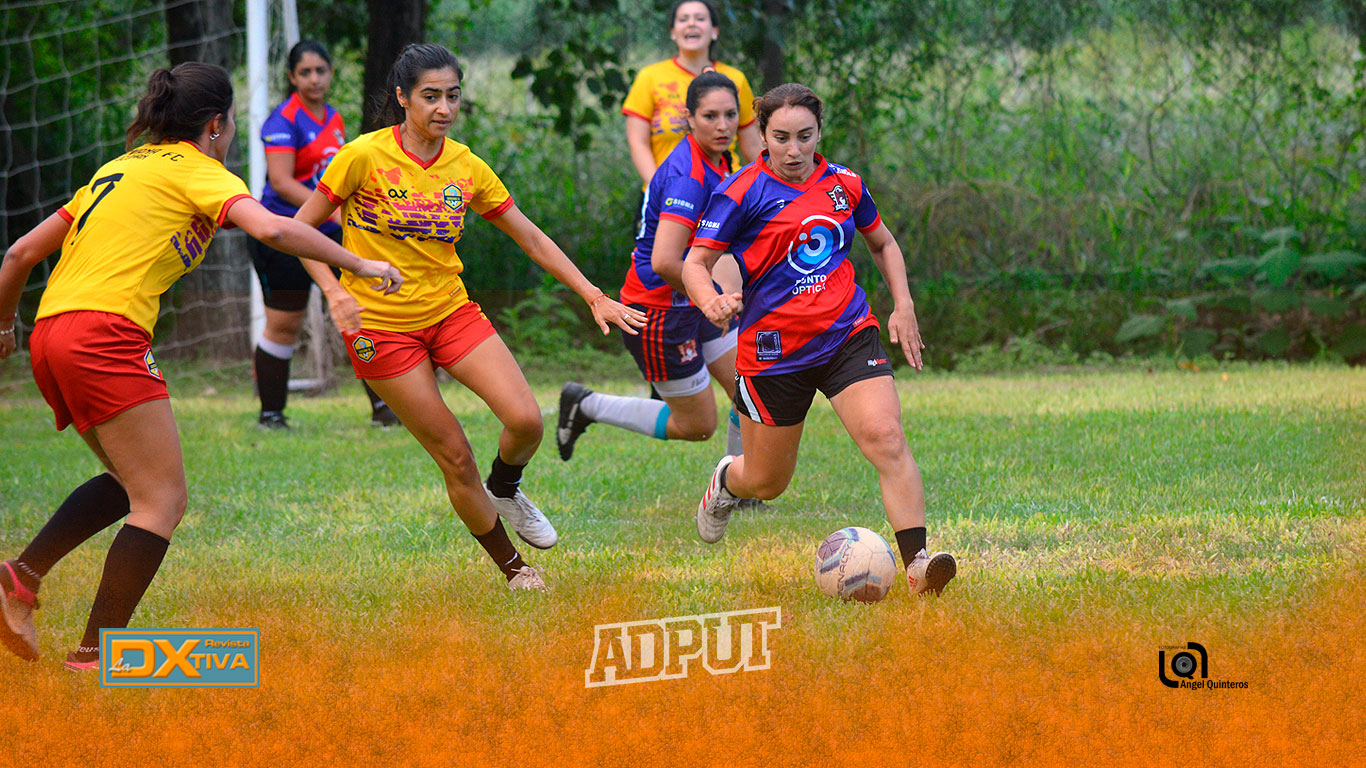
394,24
772,65
202,31
212,314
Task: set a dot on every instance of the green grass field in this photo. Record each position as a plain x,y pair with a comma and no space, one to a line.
1146,507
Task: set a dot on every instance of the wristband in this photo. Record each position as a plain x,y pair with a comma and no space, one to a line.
594,302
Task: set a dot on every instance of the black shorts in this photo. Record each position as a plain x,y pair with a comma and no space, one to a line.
782,399
284,282
675,345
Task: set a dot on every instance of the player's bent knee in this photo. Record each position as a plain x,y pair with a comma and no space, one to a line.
456,462
526,426
885,444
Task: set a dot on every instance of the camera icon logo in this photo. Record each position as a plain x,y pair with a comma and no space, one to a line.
1183,664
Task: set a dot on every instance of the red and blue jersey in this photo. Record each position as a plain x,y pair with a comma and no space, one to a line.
678,191
313,139
792,243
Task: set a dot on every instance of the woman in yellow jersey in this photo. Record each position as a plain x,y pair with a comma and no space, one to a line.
144,220
656,118
406,191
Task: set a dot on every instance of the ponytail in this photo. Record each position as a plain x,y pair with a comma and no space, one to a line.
179,102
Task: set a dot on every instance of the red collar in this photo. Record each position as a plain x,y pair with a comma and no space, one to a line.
294,98
691,73
423,165
698,153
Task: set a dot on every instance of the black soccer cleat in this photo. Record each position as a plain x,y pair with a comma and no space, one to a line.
273,421
572,421
384,416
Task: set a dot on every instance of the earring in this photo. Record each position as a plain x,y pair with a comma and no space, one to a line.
214,136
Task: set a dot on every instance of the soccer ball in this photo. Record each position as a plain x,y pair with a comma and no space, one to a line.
855,564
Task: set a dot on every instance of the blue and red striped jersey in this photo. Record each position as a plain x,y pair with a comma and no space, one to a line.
678,192
313,139
792,243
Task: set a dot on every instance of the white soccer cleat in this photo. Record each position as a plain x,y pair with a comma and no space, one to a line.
714,510
529,522
930,573
527,578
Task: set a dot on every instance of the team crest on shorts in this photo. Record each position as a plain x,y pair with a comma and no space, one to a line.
687,351
453,197
151,363
365,348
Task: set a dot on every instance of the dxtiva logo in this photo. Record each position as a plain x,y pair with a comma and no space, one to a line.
180,658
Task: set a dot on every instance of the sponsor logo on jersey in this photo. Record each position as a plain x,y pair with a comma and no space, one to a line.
398,194
151,363
681,203
875,362
768,346
810,284
708,224
365,348
818,239
453,197
839,198
276,137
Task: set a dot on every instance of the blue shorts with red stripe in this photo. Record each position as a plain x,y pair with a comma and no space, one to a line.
782,399
671,345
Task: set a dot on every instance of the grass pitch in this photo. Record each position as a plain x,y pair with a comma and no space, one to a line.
1096,516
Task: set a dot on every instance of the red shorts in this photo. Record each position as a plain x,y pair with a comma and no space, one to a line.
385,354
92,366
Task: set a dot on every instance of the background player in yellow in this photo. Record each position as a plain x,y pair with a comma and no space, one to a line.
655,117
143,221
406,191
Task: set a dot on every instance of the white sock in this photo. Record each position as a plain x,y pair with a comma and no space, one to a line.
275,350
733,434
638,414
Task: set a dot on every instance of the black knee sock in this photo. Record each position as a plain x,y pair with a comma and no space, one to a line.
376,402
91,508
504,478
500,548
133,560
910,541
272,380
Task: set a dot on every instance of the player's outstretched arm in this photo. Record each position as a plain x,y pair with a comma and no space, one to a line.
306,242
549,257
901,324
343,307
718,307
39,243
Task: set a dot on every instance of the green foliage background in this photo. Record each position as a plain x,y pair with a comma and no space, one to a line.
1071,174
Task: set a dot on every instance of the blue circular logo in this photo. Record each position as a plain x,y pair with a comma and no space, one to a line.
817,240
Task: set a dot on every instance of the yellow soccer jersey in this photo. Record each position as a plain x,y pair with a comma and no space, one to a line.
658,97
410,214
143,221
